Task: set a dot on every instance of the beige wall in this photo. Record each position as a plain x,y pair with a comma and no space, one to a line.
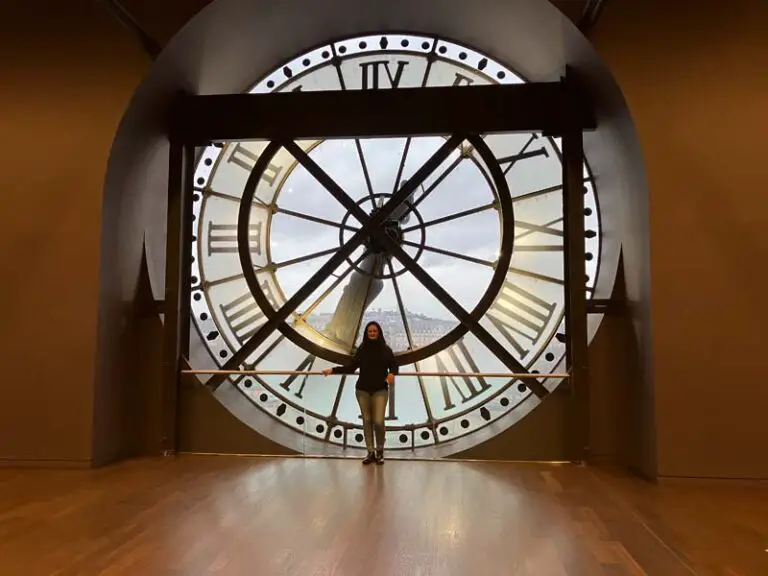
694,76
67,82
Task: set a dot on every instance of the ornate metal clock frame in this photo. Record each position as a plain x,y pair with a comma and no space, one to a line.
557,109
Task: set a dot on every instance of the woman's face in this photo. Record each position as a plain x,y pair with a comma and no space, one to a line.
373,332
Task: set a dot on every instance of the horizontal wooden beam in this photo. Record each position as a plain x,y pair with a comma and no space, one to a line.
547,107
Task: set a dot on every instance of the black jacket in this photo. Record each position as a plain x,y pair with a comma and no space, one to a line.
374,362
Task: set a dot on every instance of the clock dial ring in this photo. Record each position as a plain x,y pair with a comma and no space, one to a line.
506,216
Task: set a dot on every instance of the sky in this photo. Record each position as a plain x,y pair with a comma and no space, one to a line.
464,188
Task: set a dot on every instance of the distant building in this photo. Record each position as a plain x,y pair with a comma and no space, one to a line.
424,330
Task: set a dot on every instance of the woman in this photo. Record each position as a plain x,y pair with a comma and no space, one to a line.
377,372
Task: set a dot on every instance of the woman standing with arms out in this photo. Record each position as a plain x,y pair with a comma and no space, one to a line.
377,372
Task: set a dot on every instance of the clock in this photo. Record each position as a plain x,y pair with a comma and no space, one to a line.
479,235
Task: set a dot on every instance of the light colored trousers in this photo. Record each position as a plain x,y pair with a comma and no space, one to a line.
372,409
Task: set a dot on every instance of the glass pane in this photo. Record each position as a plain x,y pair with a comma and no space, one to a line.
450,227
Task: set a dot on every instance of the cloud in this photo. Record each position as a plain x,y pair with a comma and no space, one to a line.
464,188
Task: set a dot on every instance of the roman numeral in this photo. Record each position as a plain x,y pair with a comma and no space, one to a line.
243,315
372,73
523,229
524,154
461,80
520,316
467,387
222,238
304,365
246,159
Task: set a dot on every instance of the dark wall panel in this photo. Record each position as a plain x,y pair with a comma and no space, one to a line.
694,78
67,73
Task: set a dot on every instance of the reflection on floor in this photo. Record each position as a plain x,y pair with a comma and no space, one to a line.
310,517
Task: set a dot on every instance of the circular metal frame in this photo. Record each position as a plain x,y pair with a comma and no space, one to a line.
403,358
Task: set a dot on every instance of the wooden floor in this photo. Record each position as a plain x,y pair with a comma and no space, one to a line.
261,517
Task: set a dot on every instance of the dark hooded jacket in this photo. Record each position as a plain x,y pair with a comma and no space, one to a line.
375,360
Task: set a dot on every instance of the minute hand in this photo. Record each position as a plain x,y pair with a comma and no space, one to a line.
357,296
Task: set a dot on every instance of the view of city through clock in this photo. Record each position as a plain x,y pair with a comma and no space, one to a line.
484,223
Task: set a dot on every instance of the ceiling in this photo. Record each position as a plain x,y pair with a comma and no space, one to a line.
162,23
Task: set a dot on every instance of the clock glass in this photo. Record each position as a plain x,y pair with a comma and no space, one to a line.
485,226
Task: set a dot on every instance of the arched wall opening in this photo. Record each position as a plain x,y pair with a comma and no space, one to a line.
232,42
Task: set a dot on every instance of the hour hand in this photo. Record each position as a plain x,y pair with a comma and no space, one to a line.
358,294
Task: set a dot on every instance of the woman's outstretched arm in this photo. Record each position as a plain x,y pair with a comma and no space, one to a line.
349,368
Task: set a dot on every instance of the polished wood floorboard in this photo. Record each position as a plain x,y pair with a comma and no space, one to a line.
308,517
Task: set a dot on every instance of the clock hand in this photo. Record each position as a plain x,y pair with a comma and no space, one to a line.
402,212
359,293
363,287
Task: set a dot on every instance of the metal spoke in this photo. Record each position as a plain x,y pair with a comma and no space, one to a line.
545,228
409,336
449,218
407,146
427,191
270,267
300,259
395,200
342,83
365,168
403,158
451,254
543,191
537,193
208,191
315,219
225,280
324,179
400,304
536,276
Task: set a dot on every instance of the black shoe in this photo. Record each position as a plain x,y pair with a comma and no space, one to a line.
379,456
370,458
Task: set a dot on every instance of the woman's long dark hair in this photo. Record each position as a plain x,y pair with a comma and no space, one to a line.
380,342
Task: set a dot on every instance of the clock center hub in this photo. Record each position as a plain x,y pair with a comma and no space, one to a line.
405,227
392,229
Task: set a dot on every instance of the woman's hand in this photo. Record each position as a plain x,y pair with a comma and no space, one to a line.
390,378
327,371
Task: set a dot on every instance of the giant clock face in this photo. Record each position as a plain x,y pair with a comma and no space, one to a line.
486,226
